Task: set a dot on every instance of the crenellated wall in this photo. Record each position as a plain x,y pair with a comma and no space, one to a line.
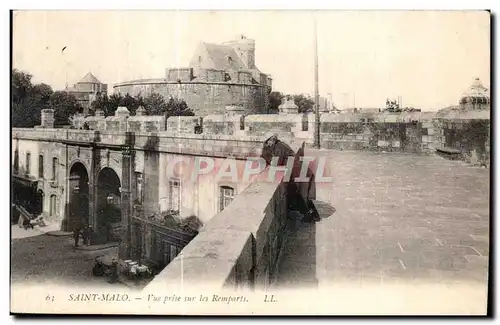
416,132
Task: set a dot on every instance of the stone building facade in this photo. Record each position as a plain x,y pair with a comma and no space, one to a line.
218,75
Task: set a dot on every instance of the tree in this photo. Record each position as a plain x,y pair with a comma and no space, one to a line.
114,102
107,104
275,99
155,104
64,105
305,104
131,103
101,102
28,100
177,107
21,85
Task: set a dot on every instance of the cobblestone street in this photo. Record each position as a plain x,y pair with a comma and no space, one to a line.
41,258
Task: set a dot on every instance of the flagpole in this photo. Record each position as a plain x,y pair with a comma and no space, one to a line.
316,91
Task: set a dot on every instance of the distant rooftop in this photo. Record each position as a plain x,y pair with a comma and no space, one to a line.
476,90
89,78
224,57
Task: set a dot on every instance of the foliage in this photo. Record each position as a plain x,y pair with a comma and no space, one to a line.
177,107
131,103
29,99
154,104
305,103
275,99
64,106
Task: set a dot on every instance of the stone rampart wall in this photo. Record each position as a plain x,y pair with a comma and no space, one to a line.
418,132
205,98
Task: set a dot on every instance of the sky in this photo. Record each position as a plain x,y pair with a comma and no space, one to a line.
429,58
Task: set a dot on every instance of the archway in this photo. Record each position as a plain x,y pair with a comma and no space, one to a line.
78,196
108,206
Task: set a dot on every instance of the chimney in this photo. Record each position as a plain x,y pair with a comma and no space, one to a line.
47,118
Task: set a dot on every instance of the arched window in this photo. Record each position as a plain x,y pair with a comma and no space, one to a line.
226,196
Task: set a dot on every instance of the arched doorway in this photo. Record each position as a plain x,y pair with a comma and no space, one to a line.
108,206
78,196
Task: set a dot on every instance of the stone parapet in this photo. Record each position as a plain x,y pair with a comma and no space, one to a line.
416,132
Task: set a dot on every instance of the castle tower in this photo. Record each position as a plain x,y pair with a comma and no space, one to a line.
246,50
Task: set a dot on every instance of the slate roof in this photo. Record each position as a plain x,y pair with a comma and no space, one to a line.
220,54
89,79
476,90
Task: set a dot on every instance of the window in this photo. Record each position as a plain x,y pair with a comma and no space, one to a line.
16,161
28,163
139,187
226,197
174,195
174,251
242,122
54,169
199,58
40,166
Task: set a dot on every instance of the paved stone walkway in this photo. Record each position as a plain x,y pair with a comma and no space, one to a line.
393,218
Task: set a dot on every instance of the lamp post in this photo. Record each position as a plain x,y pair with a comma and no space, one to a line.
316,92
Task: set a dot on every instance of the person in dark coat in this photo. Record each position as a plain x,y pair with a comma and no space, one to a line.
76,235
273,147
113,277
87,233
27,224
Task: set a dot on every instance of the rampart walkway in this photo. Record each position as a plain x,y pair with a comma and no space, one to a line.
393,219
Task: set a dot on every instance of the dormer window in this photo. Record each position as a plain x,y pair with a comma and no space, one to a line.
229,59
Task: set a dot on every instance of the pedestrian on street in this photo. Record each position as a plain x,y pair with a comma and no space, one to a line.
86,235
89,235
76,235
113,277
